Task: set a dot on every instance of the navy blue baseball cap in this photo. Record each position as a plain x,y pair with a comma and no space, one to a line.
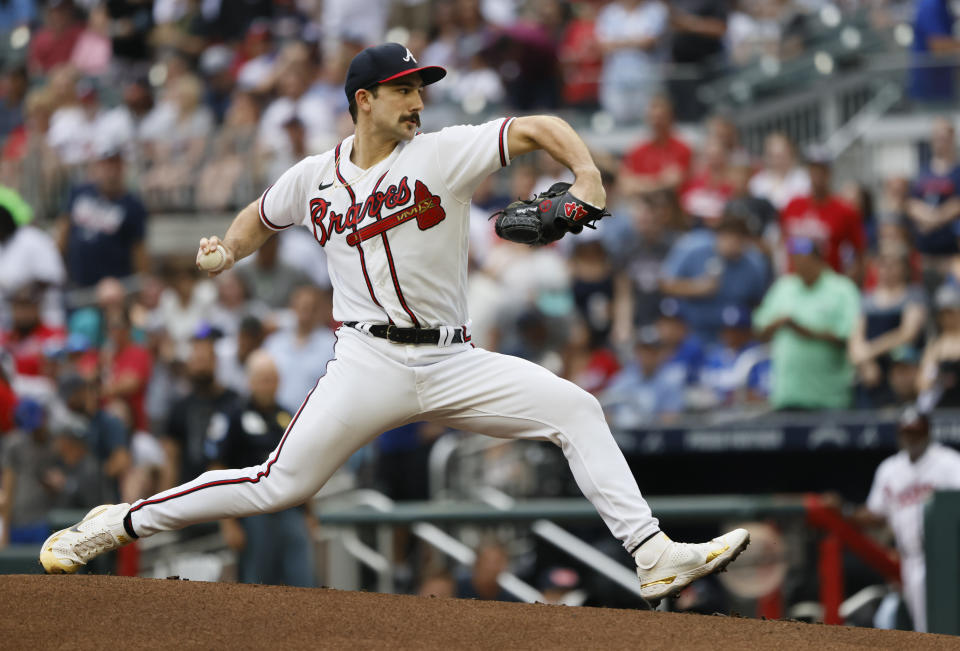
29,414
799,245
735,316
383,63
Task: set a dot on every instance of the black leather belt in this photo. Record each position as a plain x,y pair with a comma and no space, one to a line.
400,335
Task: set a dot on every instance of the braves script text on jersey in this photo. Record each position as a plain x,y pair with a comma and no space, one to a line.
900,490
396,242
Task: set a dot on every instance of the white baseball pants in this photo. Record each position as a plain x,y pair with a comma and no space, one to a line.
373,385
913,575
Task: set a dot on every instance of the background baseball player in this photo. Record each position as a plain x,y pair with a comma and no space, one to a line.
391,209
901,488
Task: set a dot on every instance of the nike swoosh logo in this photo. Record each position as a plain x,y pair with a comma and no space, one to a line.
324,186
76,528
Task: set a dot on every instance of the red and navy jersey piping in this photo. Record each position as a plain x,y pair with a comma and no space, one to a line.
502,142
393,269
353,200
238,480
263,214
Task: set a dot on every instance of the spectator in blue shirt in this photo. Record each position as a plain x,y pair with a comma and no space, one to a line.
649,390
682,346
103,229
104,435
736,370
707,270
302,350
934,203
16,13
932,36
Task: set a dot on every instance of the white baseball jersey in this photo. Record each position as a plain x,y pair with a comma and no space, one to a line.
396,234
901,489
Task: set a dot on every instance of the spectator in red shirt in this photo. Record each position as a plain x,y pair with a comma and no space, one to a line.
663,162
706,193
127,368
8,399
587,361
29,337
825,217
53,43
581,58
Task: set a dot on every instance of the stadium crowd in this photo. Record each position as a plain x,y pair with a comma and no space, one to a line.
724,281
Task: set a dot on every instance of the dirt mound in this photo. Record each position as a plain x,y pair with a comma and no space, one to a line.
122,613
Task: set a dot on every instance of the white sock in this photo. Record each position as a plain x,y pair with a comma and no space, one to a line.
650,552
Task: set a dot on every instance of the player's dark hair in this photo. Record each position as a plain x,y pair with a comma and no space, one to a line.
352,104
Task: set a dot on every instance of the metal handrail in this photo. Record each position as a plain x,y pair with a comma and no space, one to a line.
844,137
429,533
375,560
568,543
688,508
443,451
366,554
440,455
444,542
587,554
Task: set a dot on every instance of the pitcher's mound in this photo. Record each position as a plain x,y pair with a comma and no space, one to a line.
105,612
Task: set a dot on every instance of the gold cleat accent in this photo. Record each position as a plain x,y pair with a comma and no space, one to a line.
713,555
52,540
666,581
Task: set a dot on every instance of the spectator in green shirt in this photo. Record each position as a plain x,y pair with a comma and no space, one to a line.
809,315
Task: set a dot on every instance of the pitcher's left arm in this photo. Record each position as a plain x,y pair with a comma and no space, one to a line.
556,137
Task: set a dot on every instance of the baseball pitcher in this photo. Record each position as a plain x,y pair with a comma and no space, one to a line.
390,206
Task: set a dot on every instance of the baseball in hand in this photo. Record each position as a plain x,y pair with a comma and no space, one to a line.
212,261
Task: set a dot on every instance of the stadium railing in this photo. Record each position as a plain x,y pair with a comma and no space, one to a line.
427,519
544,514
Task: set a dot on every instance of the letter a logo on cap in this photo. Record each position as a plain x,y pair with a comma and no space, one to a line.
409,56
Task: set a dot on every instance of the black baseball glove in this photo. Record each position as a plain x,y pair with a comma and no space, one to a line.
547,217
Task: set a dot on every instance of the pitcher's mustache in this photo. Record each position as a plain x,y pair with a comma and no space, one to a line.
413,116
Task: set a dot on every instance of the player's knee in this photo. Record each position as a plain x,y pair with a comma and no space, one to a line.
277,491
581,404
592,406
280,502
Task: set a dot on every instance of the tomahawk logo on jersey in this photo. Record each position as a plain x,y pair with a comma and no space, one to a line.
395,234
426,209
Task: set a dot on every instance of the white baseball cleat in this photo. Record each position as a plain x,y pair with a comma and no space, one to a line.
100,531
665,567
